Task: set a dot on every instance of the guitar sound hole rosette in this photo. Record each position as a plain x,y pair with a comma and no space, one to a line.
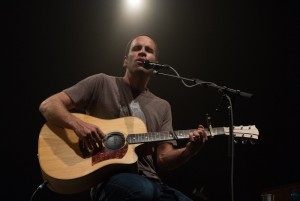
114,141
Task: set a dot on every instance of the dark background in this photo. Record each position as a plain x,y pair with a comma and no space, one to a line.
252,46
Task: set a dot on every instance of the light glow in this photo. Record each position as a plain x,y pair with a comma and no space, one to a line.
134,3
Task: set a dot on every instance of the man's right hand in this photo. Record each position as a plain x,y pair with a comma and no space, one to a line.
90,134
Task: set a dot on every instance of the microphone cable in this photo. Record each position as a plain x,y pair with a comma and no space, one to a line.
177,75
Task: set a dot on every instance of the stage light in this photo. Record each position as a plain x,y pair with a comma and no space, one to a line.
134,3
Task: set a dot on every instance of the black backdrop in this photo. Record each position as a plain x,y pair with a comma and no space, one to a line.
251,46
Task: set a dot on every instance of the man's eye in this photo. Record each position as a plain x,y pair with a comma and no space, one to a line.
150,50
136,48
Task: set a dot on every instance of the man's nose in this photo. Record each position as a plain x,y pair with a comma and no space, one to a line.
142,51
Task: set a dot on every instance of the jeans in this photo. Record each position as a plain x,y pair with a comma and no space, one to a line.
134,187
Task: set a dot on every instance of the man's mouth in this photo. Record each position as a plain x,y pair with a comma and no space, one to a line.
140,61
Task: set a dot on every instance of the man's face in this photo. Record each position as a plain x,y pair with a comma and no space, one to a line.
142,48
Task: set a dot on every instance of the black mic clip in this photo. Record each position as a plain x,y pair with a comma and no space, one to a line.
155,66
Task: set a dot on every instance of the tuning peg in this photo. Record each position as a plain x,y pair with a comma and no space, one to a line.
235,141
244,141
252,142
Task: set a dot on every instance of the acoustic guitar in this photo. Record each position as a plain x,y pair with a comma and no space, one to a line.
69,168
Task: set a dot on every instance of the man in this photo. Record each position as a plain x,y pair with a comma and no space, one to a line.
110,97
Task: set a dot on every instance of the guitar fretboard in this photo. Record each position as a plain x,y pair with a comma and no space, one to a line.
164,136
243,132
149,137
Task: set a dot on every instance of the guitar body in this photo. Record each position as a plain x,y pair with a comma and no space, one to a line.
68,171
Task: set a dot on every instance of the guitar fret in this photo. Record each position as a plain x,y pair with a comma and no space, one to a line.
183,134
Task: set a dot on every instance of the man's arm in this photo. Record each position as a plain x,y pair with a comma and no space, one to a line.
169,157
56,110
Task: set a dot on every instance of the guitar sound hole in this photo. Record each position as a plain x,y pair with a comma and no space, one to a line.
114,141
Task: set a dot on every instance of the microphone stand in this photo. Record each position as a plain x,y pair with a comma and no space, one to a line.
227,93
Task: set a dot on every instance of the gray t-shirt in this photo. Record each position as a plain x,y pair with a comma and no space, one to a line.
109,97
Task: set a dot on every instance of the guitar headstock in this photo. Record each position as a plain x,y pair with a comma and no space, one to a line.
244,133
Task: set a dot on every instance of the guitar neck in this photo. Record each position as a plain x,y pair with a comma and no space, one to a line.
165,136
239,131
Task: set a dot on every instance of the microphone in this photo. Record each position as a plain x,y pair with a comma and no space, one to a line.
155,66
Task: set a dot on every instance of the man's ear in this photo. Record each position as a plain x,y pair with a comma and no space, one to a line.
125,62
